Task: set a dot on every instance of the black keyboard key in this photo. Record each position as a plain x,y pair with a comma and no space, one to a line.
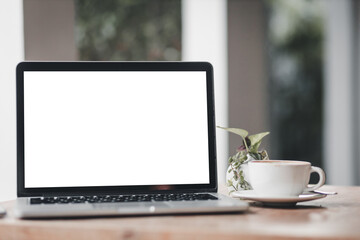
35,201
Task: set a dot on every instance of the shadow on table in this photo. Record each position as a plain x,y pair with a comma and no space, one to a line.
284,206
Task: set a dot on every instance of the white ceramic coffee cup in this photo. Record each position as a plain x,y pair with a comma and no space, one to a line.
282,178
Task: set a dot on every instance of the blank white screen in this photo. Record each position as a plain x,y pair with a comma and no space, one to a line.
115,128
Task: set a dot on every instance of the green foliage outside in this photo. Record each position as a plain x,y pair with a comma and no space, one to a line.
128,30
296,78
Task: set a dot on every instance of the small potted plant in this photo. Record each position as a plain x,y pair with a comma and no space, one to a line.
236,176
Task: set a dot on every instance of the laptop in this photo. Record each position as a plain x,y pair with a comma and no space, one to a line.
116,139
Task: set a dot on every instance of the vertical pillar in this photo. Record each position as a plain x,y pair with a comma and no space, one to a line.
339,117
247,71
204,38
356,93
11,52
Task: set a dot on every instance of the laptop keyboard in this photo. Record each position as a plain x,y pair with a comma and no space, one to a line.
124,198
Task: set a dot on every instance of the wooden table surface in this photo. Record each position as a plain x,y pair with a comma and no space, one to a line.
332,217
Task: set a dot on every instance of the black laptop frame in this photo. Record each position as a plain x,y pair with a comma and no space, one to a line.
113,66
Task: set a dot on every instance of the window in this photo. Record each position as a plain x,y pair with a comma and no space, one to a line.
128,30
295,59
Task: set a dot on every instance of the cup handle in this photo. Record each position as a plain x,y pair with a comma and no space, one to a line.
321,180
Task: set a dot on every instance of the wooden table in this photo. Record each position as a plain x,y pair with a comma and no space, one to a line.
333,217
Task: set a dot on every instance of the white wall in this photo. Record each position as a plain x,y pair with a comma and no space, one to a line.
204,38
356,28
11,52
49,30
339,119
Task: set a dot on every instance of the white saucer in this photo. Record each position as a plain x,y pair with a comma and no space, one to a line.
276,201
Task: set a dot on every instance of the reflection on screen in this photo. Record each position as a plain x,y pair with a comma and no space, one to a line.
115,128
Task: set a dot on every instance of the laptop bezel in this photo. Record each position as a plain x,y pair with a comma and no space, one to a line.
113,66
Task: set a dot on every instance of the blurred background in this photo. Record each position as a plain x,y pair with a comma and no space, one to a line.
290,67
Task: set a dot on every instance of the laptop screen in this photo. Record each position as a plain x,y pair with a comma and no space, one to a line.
115,128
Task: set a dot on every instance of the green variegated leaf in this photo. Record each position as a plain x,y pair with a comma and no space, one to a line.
235,176
254,148
256,140
264,155
256,156
242,157
243,133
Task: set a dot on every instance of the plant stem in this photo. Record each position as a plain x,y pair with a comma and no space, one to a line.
246,146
